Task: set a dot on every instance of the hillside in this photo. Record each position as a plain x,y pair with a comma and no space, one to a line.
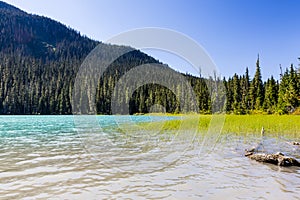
39,59
39,37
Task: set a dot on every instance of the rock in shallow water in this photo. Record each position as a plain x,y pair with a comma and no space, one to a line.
296,143
277,158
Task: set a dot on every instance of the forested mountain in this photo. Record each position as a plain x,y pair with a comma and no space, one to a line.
38,57
39,60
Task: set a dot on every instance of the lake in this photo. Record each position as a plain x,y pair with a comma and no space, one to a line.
113,157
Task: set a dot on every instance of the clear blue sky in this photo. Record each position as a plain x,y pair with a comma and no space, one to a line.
233,32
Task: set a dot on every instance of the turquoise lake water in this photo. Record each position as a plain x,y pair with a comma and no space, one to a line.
113,157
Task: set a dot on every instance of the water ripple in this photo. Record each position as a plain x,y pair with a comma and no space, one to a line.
46,159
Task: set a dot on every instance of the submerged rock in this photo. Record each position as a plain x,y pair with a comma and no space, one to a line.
277,158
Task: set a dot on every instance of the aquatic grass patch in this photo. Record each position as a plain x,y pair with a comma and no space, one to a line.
273,124
236,124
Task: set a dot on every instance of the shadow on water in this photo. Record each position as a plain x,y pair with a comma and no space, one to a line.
291,169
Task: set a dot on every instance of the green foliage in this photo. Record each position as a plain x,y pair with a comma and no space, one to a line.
237,97
257,90
271,95
245,85
289,91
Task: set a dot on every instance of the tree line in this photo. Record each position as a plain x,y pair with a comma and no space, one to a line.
272,96
33,86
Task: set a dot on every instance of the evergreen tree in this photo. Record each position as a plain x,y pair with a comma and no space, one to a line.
257,89
229,94
271,95
289,91
245,85
292,95
236,94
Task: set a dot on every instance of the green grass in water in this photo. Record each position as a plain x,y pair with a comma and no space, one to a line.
237,124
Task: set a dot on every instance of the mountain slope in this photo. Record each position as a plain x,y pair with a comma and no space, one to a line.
39,60
39,37
5,6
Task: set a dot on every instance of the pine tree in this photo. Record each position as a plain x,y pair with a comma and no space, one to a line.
292,92
229,94
236,94
283,87
271,95
257,89
245,85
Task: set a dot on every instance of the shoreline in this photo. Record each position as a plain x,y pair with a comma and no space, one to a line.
238,124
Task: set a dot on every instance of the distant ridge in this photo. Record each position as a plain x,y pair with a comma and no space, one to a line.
6,6
36,36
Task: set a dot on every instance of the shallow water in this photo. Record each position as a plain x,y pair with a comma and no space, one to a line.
55,157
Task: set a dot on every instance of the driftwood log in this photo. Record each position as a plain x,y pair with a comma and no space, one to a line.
277,159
